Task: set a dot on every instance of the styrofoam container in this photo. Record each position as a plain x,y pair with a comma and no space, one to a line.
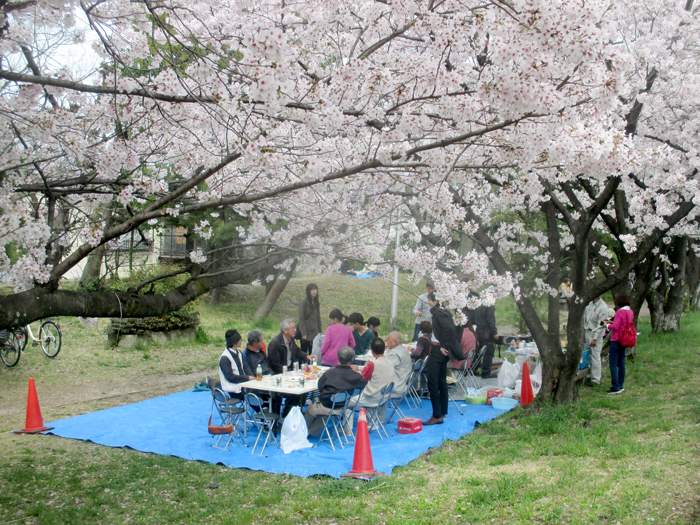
503,403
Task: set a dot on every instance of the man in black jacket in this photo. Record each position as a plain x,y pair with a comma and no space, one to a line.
254,354
484,317
283,350
340,378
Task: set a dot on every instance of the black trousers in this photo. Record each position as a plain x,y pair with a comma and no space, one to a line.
290,401
485,338
436,371
306,346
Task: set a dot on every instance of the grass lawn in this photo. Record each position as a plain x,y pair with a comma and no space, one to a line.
631,458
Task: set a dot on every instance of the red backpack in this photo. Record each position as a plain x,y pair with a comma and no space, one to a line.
628,338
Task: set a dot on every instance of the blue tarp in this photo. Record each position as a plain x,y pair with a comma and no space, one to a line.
176,425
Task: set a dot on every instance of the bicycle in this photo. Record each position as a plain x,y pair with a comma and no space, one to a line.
49,339
9,348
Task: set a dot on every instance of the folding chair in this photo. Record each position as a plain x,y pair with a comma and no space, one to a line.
262,420
335,418
450,386
471,379
395,402
461,374
372,412
230,412
413,392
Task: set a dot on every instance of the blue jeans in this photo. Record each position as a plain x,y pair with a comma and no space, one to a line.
617,365
416,333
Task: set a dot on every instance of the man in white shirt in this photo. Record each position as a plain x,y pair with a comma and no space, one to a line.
594,330
422,309
397,354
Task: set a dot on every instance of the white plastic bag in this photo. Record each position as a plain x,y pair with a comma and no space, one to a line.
536,379
508,374
294,432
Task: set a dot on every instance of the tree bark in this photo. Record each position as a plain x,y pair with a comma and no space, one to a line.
26,307
692,272
667,296
274,294
93,267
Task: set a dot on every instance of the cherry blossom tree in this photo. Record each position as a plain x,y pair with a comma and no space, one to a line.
315,114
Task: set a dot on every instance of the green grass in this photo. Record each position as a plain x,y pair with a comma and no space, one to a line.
625,459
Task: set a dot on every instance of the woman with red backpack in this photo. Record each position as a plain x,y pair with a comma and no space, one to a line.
623,335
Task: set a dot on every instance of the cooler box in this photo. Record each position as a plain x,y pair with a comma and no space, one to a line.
493,392
410,425
585,358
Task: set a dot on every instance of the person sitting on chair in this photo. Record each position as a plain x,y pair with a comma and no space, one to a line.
283,350
382,375
403,367
340,378
233,369
254,354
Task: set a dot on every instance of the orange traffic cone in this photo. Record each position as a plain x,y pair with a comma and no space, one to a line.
34,423
526,395
362,464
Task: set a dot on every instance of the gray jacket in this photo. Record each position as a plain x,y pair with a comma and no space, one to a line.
422,307
595,312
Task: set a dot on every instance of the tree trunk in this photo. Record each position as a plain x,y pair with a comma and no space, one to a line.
93,266
673,306
666,298
216,293
274,294
645,272
692,272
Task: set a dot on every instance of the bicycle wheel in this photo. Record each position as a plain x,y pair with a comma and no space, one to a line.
22,337
9,350
50,338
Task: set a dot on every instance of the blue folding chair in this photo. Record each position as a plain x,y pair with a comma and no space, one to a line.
335,419
261,419
374,422
413,391
230,412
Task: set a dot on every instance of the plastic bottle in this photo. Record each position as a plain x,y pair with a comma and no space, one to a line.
258,373
512,344
315,365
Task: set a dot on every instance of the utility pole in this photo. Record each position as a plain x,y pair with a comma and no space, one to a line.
393,316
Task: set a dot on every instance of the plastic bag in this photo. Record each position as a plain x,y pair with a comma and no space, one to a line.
294,432
508,374
536,379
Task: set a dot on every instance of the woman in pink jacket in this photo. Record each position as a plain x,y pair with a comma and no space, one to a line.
337,336
623,318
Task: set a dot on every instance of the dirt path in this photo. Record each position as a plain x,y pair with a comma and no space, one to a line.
72,399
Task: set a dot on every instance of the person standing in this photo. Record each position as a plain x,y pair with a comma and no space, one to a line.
422,309
446,333
623,318
593,330
309,318
337,336
363,335
484,317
